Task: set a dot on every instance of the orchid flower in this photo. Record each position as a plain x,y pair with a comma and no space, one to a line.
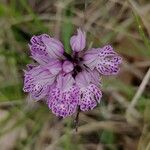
68,82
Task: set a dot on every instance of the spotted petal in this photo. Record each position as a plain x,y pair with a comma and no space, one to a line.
105,60
90,93
38,49
63,99
91,96
38,79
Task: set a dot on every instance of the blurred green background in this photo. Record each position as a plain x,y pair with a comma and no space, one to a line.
122,120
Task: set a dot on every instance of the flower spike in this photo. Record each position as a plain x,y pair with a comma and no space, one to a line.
68,83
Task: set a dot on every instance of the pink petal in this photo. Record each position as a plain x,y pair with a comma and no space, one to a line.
54,66
38,49
83,79
64,97
78,41
67,66
105,60
64,82
54,47
37,82
91,96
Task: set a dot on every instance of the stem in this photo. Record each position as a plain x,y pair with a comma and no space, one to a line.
76,121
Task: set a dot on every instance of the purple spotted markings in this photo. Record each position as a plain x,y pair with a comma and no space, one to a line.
68,83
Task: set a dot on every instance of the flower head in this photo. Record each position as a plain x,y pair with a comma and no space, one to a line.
68,82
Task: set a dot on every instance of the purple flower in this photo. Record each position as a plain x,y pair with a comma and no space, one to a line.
68,82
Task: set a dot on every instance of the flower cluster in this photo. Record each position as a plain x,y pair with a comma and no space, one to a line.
67,82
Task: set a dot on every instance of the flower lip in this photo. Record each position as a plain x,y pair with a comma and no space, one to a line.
63,98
